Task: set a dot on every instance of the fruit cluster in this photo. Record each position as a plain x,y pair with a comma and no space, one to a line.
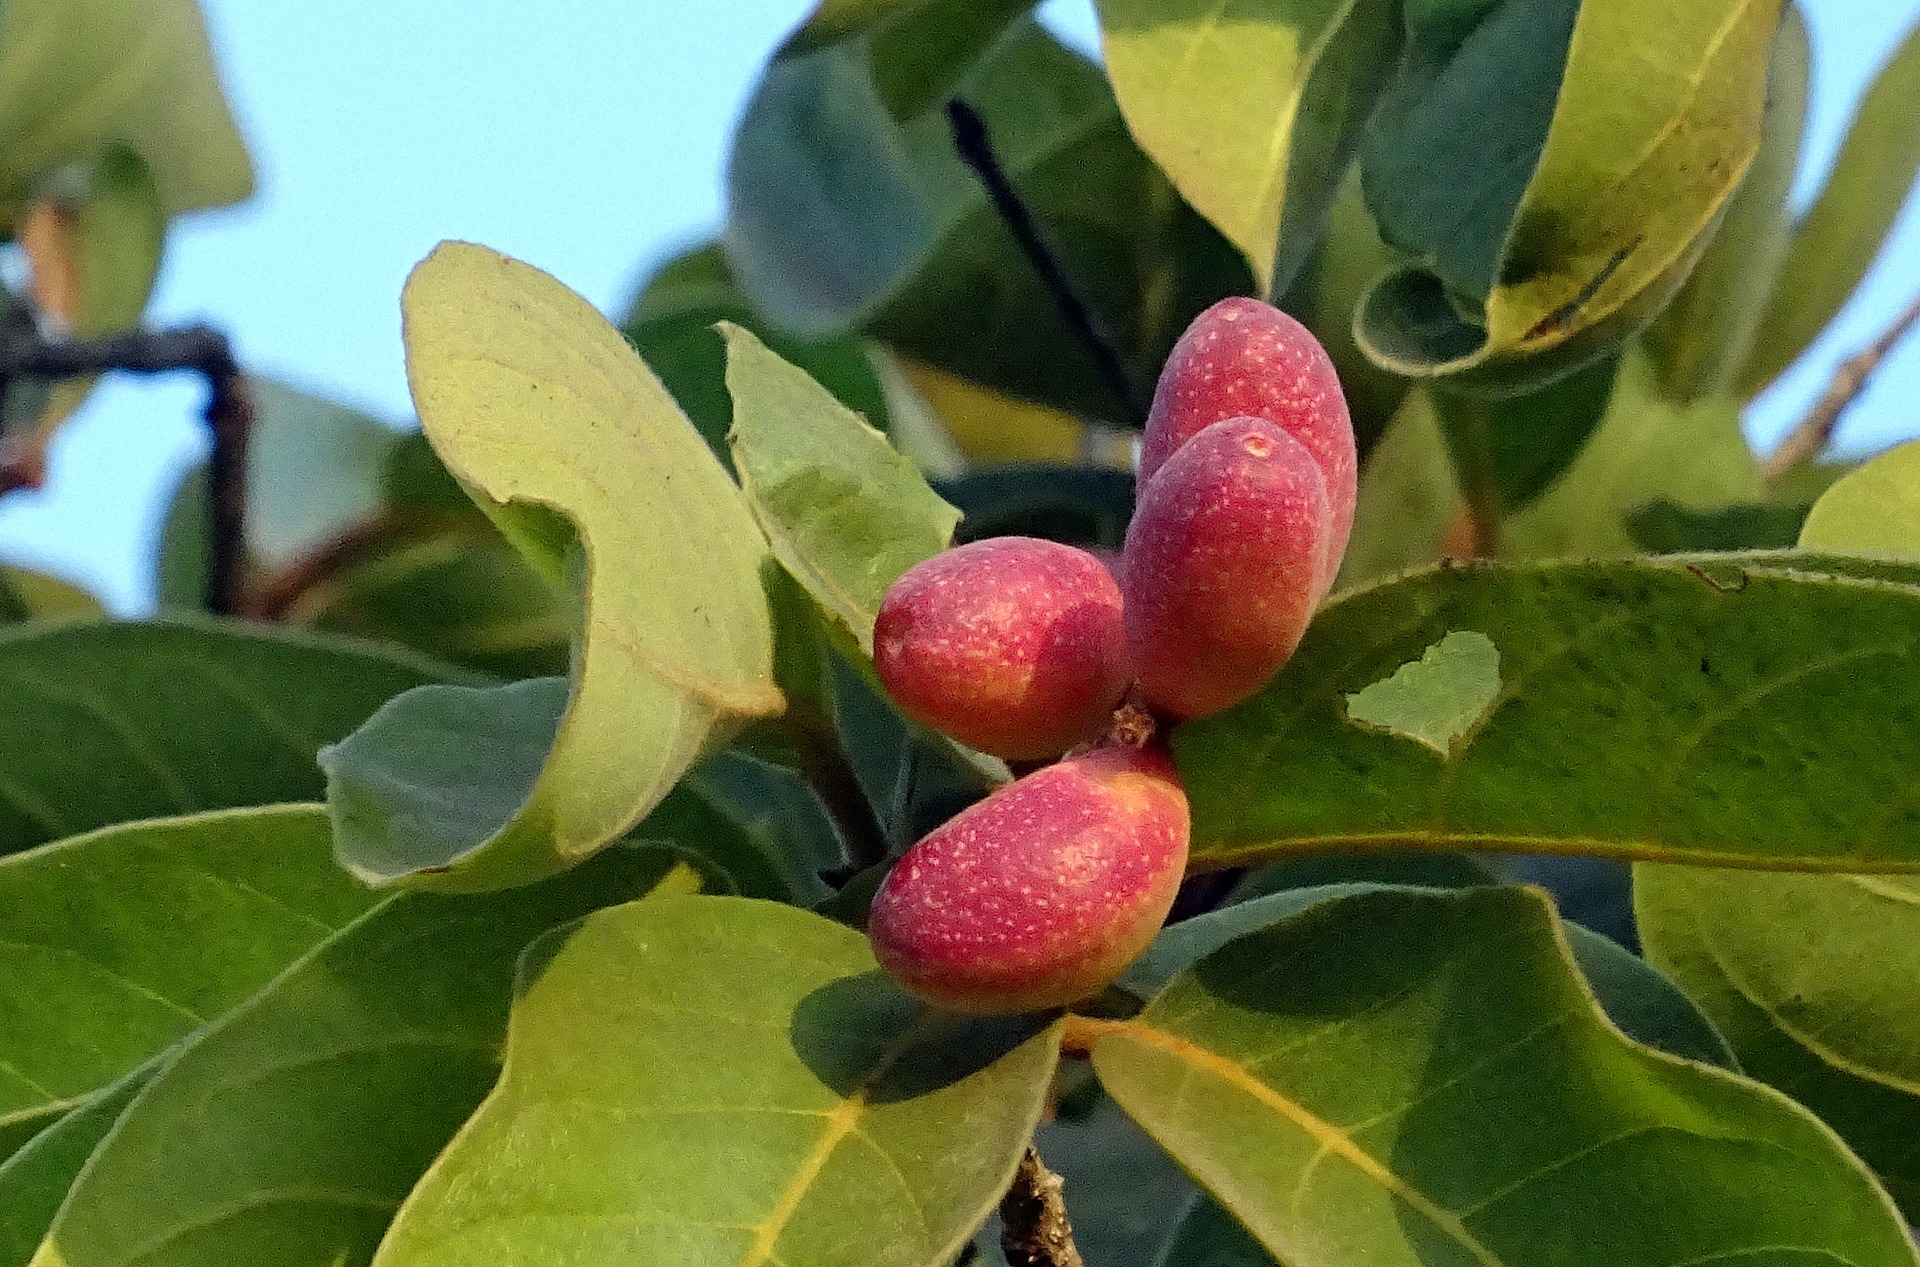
1043,893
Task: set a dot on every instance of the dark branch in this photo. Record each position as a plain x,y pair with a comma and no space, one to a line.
1813,432
975,148
1036,1231
26,353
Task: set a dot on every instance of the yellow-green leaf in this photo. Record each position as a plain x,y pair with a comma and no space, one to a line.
548,417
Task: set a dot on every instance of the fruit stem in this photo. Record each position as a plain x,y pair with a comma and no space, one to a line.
1037,1232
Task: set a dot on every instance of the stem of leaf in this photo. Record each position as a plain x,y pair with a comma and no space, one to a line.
26,352
824,765
1465,424
975,147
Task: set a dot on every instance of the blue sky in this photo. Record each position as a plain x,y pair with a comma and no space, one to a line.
586,138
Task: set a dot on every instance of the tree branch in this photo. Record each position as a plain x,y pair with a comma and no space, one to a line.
27,353
1813,432
975,147
1037,1232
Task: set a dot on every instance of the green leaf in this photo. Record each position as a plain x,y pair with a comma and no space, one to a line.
1409,501
1643,1004
28,595
1707,333
1873,510
1510,450
78,76
1439,697
569,442
1254,110
916,49
1207,1236
671,323
290,1129
716,1080
759,825
1667,527
846,513
1428,1081
1741,710
842,218
1554,206
462,596
122,942
1808,976
1646,449
35,1180
108,723
1838,240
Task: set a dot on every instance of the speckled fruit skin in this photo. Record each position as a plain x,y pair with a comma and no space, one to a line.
1012,645
1243,358
1041,894
1221,561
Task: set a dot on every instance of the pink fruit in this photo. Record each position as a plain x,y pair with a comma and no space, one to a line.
1041,894
1222,559
1011,644
1243,358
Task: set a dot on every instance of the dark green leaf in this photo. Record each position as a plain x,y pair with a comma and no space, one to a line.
1254,112
120,943
112,722
1427,1081
845,512
720,1081
1667,527
671,323
757,824
1746,710
1207,1236
1510,450
842,219
34,1181
1554,205
290,1129
1085,506
1837,241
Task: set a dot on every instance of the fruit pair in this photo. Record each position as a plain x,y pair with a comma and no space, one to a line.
1046,890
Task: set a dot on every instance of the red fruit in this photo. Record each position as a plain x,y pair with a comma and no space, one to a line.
1245,359
1041,894
1012,645
1222,559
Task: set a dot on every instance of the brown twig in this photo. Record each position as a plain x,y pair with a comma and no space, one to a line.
25,352
975,147
1813,432
1036,1231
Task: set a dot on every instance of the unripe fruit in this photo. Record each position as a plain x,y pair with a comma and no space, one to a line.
1245,359
1221,559
1012,645
1041,894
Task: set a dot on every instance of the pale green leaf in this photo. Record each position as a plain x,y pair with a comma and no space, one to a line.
728,1082
289,1130
35,1180
120,943
1428,1081
78,75
567,439
1873,510
1439,697
26,595
1254,110
846,513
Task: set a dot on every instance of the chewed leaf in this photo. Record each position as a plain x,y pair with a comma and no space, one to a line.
1439,697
